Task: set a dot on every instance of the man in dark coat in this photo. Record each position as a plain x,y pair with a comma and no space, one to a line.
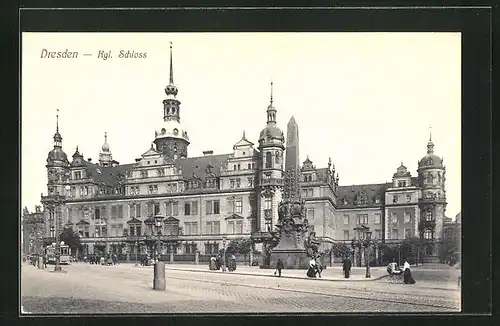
279,267
346,266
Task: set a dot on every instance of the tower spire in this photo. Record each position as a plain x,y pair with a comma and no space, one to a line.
271,92
171,66
271,110
430,133
57,120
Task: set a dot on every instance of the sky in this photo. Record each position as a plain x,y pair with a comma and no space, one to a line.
367,100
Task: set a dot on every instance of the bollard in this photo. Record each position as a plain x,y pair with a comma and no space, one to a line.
159,282
171,257
197,258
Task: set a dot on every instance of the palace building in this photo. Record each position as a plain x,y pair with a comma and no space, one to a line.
233,195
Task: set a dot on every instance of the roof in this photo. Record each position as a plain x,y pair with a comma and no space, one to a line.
201,165
350,194
107,175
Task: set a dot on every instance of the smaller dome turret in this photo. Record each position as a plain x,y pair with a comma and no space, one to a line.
430,160
105,146
271,134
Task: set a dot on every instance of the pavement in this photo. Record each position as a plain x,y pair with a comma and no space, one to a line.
329,274
126,288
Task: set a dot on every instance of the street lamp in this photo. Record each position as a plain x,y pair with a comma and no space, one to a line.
224,257
368,235
159,282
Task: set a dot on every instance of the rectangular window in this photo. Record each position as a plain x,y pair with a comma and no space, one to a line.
114,212
268,225
137,210
187,209
268,203
310,214
191,228
156,208
394,199
346,234
407,233
408,198
150,189
104,214
168,209
394,217
175,208
216,206
362,219
208,207
239,227
119,211
407,217
377,199
378,234
346,219
239,206
194,208
378,219
231,183
238,182
395,234
209,228
250,180
230,227
428,216
97,213
131,209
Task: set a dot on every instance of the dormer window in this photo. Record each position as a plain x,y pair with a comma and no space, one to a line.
402,183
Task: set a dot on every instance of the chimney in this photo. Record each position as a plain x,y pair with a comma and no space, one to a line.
208,152
138,159
89,159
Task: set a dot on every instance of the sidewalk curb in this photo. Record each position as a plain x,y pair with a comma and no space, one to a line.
266,275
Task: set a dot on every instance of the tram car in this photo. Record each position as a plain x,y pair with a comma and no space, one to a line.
64,259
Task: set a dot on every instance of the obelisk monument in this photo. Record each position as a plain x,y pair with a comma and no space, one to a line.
292,160
292,223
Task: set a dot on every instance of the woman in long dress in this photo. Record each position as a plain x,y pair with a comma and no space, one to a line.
407,278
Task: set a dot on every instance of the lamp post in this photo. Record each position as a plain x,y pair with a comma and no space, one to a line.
224,257
136,252
368,237
159,282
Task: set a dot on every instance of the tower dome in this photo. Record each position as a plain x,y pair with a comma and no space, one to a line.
430,160
271,134
105,146
57,155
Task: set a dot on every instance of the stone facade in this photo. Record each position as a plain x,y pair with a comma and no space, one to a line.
232,195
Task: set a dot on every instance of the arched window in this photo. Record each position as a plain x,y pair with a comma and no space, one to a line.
173,110
269,158
249,166
239,166
427,234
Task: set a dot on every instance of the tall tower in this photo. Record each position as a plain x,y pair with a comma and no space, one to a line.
57,165
292,145
271,147
172,140
57,175
432,205
105,156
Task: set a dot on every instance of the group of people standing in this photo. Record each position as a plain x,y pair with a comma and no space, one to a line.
216,263
95,259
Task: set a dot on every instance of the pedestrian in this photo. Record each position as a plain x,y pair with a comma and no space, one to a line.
346,266
233,263
45,261
407,278
279,267
311,272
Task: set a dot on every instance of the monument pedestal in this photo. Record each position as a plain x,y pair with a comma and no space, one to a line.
291,258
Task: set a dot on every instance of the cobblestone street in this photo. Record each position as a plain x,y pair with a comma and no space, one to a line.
126,288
